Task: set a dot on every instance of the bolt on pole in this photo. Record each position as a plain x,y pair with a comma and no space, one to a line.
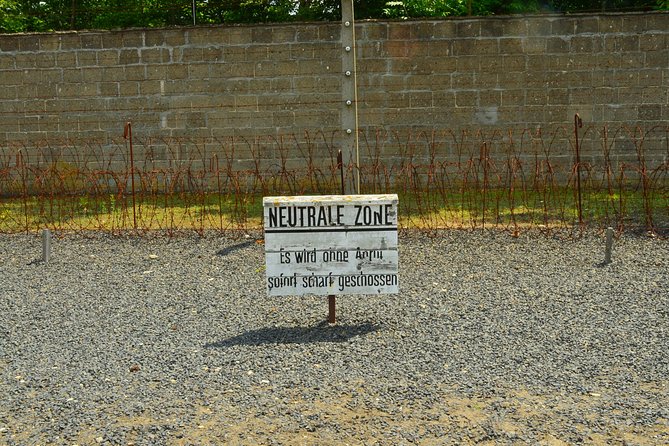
349,113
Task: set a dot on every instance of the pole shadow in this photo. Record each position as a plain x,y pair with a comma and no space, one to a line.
297,335
230,249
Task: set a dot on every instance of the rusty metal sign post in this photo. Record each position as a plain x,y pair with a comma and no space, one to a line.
332,299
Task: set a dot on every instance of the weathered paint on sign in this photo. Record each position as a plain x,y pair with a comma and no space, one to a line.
328,245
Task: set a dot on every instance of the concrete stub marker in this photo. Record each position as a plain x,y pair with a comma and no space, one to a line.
46,245
609,246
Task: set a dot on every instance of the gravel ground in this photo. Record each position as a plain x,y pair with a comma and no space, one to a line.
493,339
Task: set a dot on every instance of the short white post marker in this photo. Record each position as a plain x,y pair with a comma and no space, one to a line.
46,245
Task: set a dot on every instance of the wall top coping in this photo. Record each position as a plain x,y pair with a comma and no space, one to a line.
544,16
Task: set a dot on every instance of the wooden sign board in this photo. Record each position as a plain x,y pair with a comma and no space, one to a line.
329,245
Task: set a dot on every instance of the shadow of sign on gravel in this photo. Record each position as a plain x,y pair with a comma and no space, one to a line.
297,335
230,249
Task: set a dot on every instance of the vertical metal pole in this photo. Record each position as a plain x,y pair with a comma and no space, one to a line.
349,114
578,123
127,134
193,12
46,245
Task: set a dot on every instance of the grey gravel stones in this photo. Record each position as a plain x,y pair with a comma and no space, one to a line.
152,341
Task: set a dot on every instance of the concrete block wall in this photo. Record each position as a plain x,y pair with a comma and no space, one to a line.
521,72
194,82
268,81
497,74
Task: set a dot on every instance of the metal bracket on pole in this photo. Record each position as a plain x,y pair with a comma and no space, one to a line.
349,111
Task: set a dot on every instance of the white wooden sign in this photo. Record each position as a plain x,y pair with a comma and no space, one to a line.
329,245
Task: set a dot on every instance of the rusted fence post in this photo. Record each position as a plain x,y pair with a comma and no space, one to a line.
24,187
484,160
127,134
578,123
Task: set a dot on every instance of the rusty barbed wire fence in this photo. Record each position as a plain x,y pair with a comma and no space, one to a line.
509,179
